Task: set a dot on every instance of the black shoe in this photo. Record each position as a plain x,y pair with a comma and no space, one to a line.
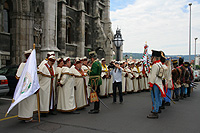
53,112
162,107
153,116
75,112
159,111
94,112
167,104
185,96
43,114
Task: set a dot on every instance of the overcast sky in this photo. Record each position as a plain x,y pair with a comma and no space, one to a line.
164,24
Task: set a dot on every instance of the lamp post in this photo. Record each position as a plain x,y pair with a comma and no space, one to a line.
190,4
195,52
118,41
126,57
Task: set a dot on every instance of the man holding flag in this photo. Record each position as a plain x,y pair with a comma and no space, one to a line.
26,88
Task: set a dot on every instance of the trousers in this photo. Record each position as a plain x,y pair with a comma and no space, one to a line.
155,96
119,86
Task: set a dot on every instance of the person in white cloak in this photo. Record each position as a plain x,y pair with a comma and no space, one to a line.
138,75
26,107
86,68
46,75
124,76
133,78
66,97
141,79
46,59
104,77
136,79
58,72
129,88
80,85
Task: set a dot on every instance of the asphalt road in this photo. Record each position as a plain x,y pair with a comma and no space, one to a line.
129,117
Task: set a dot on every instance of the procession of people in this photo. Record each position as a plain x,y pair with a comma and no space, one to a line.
70,88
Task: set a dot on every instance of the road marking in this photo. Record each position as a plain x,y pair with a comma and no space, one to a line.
8,99
9,118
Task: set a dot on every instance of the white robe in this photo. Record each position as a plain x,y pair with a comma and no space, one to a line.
129,81
80,91
136,81
57,88
42,63
66,97
123,81
47,89
86,68
26,106
104,86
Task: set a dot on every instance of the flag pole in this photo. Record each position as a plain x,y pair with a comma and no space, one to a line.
38,97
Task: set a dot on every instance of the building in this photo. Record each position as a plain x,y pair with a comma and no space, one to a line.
68,27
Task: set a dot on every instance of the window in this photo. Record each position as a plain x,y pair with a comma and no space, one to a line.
68,33
101,13
70,3
87,7
6,18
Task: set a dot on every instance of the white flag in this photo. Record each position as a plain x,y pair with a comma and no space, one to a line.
28,83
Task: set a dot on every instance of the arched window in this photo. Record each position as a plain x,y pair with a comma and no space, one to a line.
68,33
6,18
70,3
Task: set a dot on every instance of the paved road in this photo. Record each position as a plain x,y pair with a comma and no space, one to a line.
129,117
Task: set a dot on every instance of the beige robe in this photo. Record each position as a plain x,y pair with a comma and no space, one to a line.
123,80
129,81
104,86
57,88
85,69
66,97
42,63
80,89
26,106
47,89
136,82
110,85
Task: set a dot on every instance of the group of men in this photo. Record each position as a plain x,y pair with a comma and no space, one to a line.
163,78
67,87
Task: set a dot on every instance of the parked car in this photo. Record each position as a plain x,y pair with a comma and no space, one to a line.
10,72
4,89
196,74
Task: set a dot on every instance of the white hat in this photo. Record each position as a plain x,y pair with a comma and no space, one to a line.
103,59
28,51
52,57
66,58
78,60
84,58
51,53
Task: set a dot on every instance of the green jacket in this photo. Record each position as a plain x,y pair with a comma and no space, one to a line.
95,73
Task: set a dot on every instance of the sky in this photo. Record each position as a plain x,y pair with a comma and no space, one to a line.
164,24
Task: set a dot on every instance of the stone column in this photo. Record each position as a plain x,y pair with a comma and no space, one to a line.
62,26
81,29
49,40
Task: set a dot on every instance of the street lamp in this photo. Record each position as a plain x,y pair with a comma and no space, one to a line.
190,4
118,41
195,52
126,57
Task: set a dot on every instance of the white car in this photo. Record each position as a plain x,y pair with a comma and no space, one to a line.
196,74
4,89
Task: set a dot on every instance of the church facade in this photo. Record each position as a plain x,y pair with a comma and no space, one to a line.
67,27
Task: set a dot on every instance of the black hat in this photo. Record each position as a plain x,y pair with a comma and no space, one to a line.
186,64
181,60
163,58
156,53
